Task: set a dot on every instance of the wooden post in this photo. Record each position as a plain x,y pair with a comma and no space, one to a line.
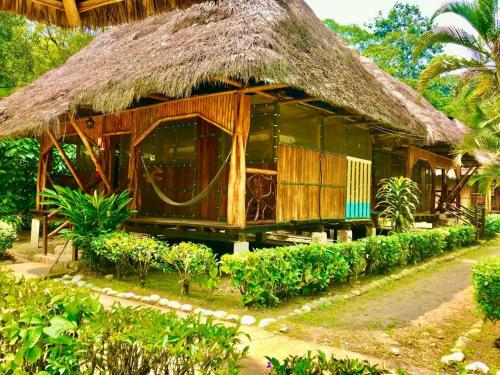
45,234
236,208
476,223
483,223
66,160
72,14
88,146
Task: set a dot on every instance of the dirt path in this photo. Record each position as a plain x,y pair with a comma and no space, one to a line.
421,315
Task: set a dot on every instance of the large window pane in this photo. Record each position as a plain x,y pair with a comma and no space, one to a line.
299,126
334,134
358,142
260,145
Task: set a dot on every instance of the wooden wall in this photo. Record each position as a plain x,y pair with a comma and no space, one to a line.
311,185
217,109
414,154
333,189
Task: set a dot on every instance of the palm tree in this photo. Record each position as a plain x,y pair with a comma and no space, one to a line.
482,76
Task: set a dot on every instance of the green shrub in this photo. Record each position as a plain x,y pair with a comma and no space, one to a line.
89,216
383,253
492,227
268,275
7,237
486,281
191,260
319,364
398,198
461,236
60,329
129,252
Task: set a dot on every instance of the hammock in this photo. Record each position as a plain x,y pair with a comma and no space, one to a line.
195,200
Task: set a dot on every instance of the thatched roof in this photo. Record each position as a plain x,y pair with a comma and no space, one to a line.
91,13
274,41
439,127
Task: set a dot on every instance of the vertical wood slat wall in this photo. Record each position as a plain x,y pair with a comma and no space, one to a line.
311,185
358,188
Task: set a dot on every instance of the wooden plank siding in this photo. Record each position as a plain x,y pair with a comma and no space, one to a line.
333,189
311,185
216,109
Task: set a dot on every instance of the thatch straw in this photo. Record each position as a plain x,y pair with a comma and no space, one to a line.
439,127
276,41
115,12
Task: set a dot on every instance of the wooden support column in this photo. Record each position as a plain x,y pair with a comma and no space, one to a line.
88,146
236,208
72,14
66,160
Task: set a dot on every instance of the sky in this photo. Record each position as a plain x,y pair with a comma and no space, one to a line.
363,11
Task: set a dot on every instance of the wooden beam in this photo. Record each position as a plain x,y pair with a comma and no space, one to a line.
272,86
88,146
267,172
54,4
236,208
230,82
299,101
87,5
163,98
66,160
72,14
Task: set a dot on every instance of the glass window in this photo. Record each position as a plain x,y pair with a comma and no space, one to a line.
334,134
171,143
299,126
358,142
260,145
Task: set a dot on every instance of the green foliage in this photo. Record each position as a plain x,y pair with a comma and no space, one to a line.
319,364
129,253
18,170
486,281
492,226
398,199
191,260
268,275
384,253
51,329
390,40
27,50
7,237
89,215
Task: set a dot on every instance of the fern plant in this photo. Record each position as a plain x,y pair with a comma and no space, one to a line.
89,215
398,198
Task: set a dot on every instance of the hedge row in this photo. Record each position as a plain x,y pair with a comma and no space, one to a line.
266,276
47,328
486,281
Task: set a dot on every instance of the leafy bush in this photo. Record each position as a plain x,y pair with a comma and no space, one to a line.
398,199
7,237
319,364
383,253
486,281
461,236
47,328
129,252
268,275
89,215
191,260
492,227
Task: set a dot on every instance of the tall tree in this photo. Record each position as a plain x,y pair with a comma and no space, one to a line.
483,77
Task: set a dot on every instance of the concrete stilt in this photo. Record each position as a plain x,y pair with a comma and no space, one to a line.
35,233
320,237
344,235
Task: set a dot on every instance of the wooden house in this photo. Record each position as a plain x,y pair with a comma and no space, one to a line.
227,119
